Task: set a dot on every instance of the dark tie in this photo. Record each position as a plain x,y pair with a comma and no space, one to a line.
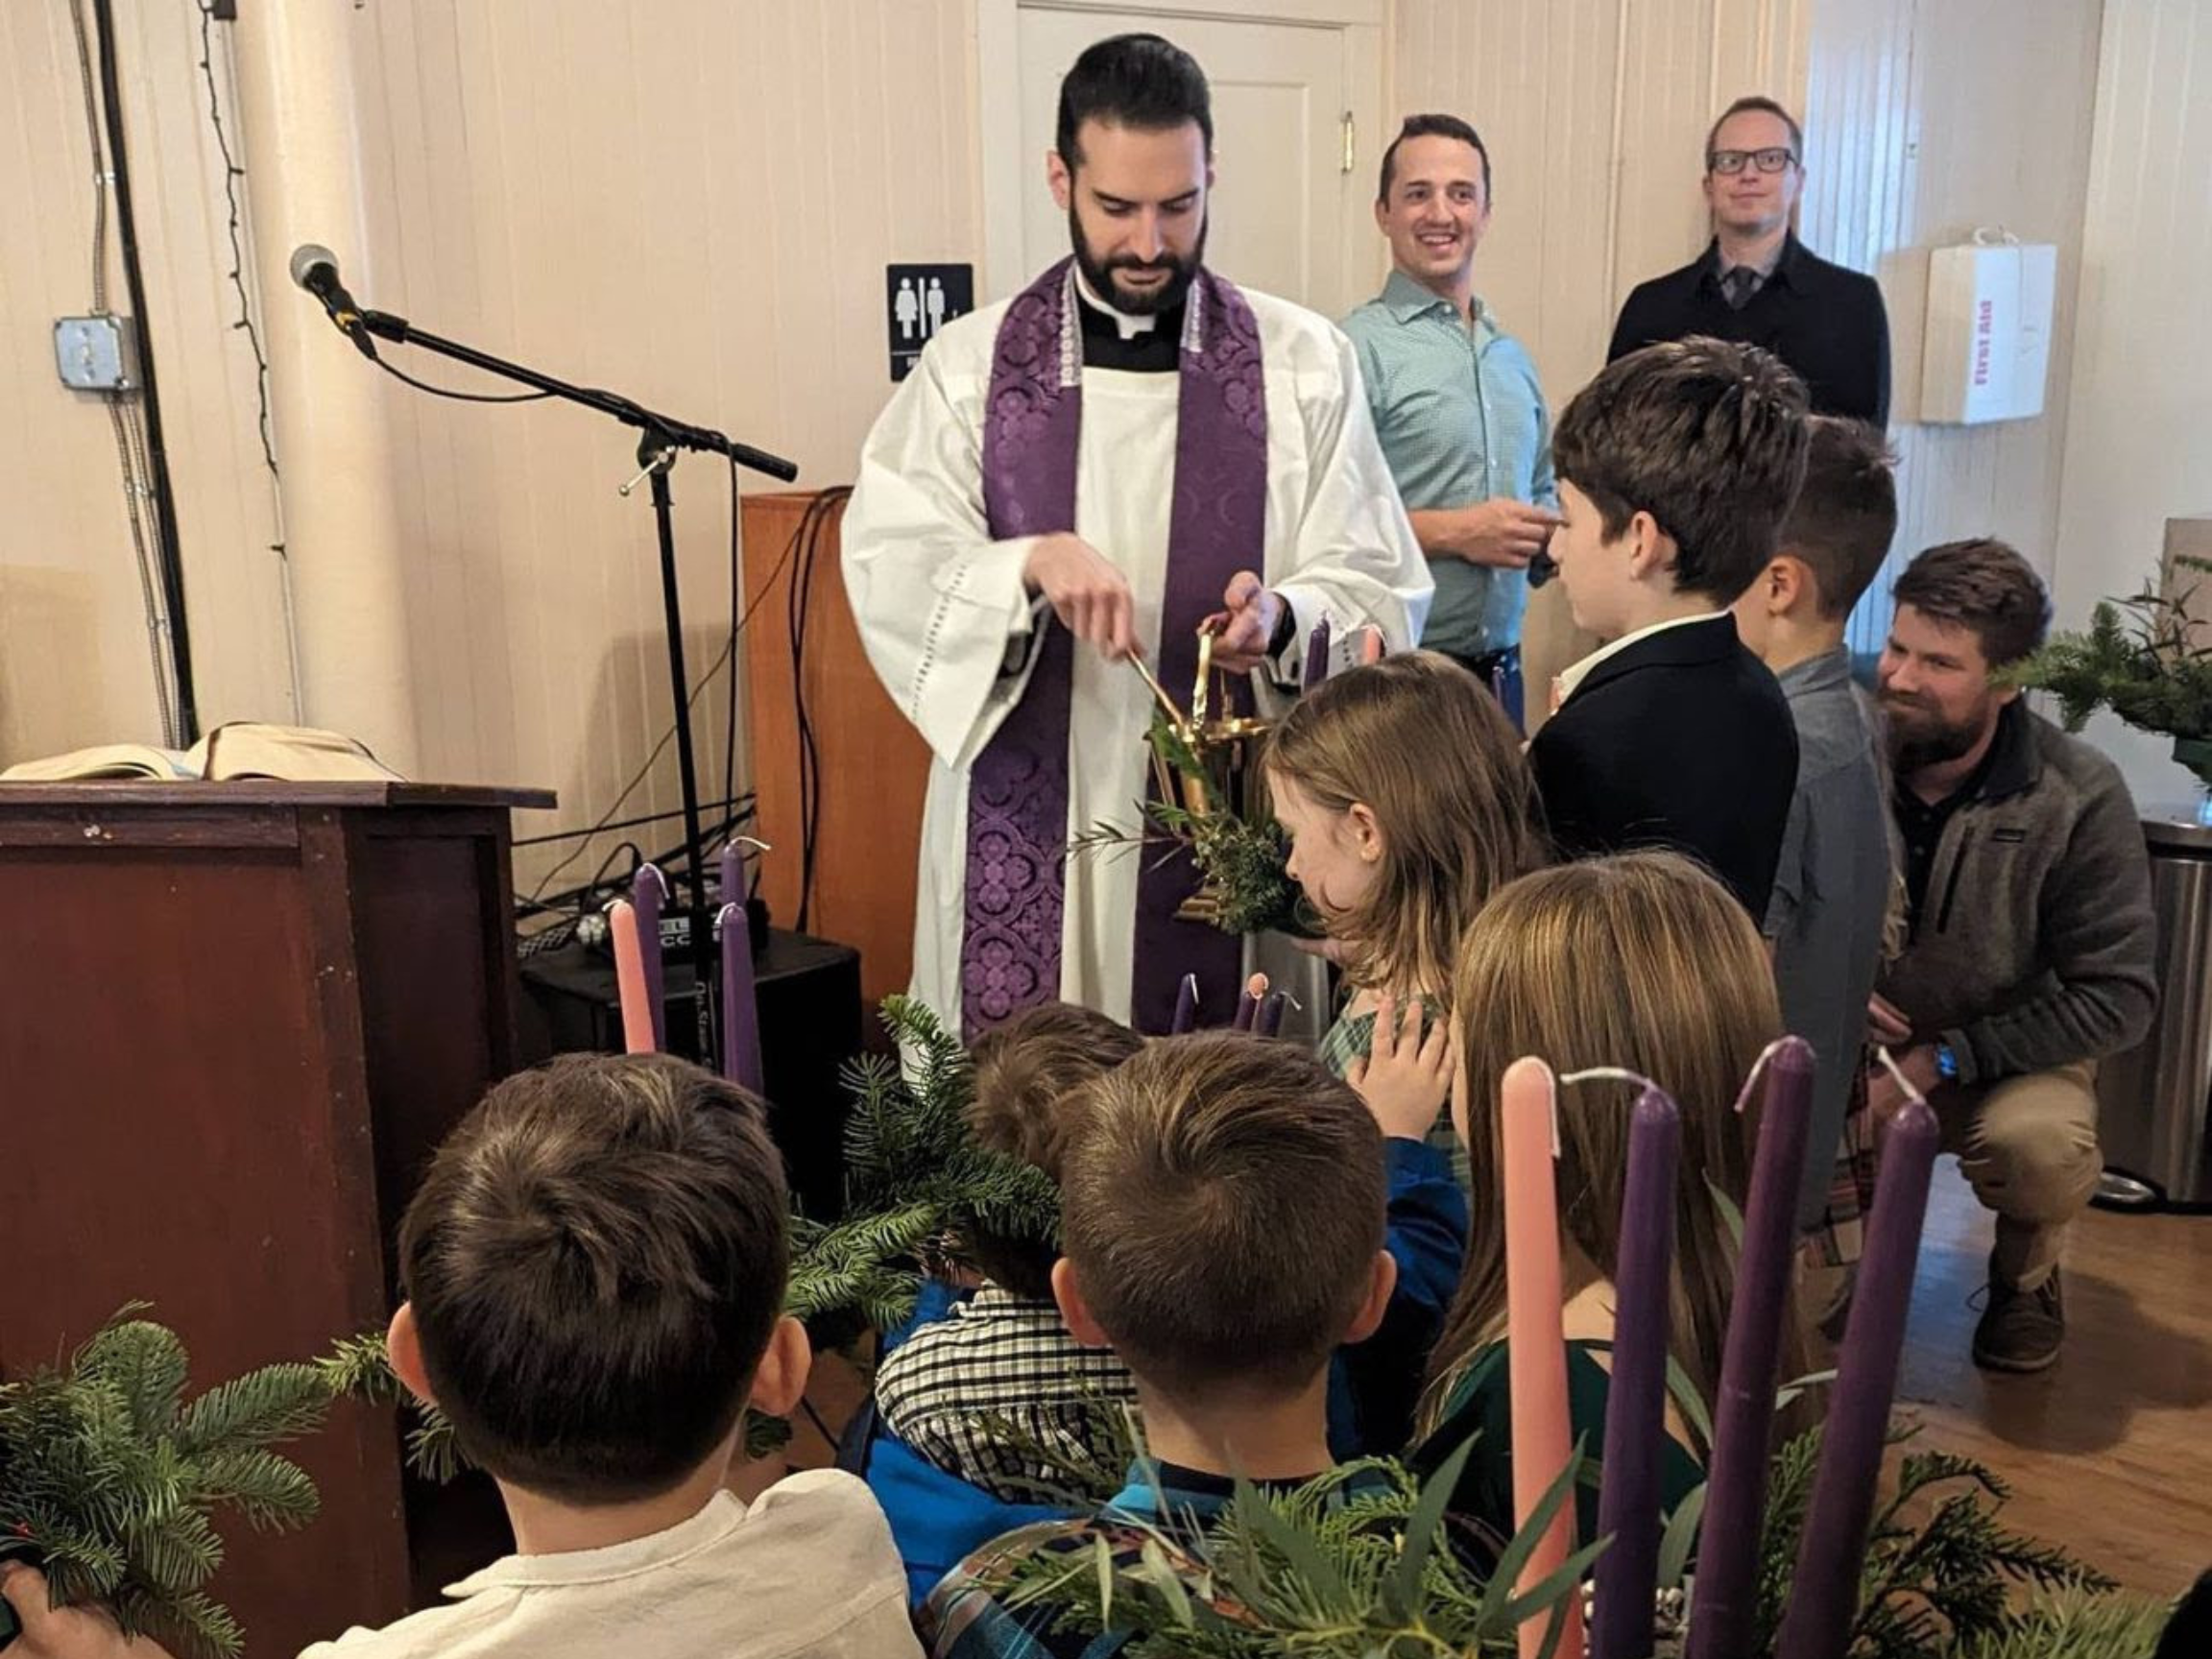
1739,285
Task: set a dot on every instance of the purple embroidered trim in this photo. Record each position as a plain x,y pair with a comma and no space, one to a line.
1017,827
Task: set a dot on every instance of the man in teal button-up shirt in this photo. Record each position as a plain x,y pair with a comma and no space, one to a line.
1456,402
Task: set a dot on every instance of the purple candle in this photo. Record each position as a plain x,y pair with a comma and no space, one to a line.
1269,1022
1186,1006
648,892
1824,1593
740,1012
1317,654
1743,1413
1636,1400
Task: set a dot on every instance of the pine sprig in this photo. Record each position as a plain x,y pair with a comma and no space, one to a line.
2136,659
1940,1571
114,1478
1353,1564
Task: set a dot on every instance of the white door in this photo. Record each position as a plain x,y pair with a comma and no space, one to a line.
1289,210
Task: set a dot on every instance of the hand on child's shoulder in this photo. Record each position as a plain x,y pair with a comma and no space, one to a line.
1407,1076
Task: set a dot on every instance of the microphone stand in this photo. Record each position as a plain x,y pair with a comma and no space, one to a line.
661,438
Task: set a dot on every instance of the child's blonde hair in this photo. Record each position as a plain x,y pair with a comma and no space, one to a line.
1421,743
1642,961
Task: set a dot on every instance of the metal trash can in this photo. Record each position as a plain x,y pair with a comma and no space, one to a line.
2155,1101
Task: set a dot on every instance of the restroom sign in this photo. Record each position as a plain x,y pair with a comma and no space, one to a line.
919,301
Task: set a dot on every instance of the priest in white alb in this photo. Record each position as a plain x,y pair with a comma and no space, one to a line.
1086,472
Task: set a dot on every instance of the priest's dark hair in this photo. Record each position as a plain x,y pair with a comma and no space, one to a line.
596,1262
1139,80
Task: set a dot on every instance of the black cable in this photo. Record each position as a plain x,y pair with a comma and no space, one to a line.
728,656
820,1426
171,562
460,397
730,686
812,526
231,174
629,823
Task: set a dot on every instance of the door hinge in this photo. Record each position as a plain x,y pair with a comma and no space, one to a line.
1349,143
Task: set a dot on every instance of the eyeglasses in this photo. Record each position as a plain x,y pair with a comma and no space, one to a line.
1730,162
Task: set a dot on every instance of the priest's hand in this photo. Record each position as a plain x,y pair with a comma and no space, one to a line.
1249,628
1086,592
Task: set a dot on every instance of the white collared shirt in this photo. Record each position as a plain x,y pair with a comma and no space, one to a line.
1575,674
807,1571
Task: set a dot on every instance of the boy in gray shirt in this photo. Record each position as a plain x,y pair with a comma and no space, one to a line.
1832,889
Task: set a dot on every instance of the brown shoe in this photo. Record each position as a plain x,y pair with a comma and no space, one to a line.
2020,1330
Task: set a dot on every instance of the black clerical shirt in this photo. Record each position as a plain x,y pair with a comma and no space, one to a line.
1155,350
1826,322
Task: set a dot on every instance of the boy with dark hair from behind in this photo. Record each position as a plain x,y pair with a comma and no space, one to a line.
594,1269
1677,466
1222,1221
1833,887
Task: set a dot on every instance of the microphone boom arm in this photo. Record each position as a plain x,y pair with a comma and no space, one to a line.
705,440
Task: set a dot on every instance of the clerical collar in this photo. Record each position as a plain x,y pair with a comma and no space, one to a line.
1126,326
1133,345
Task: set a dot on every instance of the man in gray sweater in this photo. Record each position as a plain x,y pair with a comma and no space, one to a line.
2028,950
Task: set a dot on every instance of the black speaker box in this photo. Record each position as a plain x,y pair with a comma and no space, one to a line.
808,990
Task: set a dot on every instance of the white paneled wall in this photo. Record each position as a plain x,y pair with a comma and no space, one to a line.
1594,112
691,204
73,663
688,203
1926,119
2139,426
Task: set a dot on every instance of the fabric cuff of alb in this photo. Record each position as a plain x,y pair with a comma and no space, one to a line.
1286,663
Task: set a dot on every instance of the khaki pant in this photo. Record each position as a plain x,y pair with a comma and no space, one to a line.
2029,1147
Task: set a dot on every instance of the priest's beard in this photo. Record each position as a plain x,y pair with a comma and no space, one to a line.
1919,737
1166,298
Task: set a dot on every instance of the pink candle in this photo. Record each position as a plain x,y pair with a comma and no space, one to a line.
1248,1004
1536,1339
630,978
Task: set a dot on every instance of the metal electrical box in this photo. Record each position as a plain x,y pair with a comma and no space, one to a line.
97,354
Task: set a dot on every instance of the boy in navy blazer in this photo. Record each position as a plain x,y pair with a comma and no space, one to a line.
1677,466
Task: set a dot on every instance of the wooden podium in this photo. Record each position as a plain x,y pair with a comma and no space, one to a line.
234,1020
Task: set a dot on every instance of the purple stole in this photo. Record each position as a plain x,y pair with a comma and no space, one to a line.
1017,828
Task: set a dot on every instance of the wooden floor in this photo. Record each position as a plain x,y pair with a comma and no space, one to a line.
2110,1451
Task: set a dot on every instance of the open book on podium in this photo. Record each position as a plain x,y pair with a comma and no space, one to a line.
240,749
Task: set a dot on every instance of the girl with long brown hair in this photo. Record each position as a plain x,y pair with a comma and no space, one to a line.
1408,804
1642,962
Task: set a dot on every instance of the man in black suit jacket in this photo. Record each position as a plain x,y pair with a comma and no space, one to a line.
1757,283
1676,468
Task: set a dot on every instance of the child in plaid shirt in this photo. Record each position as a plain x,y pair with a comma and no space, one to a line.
1004,1358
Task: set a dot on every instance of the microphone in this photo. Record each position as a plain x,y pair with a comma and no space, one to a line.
315,268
